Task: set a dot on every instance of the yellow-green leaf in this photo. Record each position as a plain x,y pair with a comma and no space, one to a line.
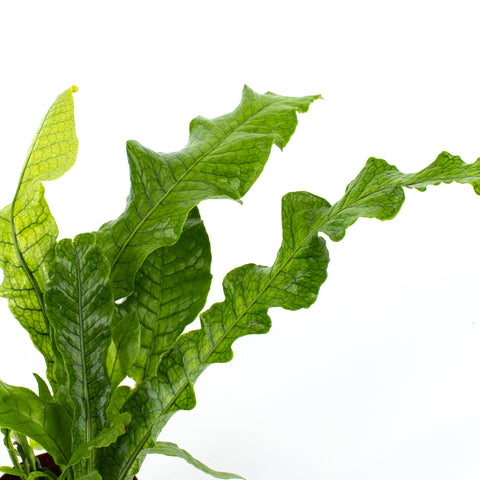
28,231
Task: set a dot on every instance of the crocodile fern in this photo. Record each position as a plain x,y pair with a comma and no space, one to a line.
114,303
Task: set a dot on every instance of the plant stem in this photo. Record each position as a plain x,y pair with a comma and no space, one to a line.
11,449
26,452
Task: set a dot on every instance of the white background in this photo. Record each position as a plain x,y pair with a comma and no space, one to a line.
380,378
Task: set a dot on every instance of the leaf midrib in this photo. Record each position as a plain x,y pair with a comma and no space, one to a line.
140,446
13,231
402,181
86,393
157,324
332,213
174,185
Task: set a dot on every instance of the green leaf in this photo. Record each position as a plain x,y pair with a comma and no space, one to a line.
106,437
43,390
41,474
292,282
13,471
47,423
125,346
171,288
27,229
94,475
25,451
117,399
80,306
377,191
222,159
172,450
7,441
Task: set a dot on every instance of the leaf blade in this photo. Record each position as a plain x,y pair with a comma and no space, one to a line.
222,159
27,229
171,288
125,346
80,306
45,422
249,290
377,191
173,450
292,282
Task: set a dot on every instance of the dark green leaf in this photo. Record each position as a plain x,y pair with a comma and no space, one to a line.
125,345
171,288
80,306
106,437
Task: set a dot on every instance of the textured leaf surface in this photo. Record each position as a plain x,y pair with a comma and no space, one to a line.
377,191
43,390
171,288
125,346
292,282
47,423
222,159
119,395
104,438
80,306
173,450
27,229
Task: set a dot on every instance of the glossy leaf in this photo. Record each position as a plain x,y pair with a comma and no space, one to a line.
13,471
27,229
117,400
94,475
173,450
41,474
103,439
47,423
80,306
157,256
124,347
43,390
377,191
222,159
292,282
171,288
12,453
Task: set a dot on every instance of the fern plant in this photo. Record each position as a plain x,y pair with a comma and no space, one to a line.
114,303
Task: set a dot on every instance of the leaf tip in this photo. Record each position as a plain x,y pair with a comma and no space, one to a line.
476,187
